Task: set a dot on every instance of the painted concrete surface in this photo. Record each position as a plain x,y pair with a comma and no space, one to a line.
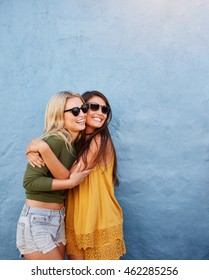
150,58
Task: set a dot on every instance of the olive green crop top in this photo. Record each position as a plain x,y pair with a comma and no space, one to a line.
38,181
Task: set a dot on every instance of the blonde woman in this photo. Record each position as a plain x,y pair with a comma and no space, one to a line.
94,218
41,229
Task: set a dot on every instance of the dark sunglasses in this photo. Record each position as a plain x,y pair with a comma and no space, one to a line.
76,111
95,107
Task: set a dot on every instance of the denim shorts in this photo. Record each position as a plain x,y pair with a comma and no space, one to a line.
40,229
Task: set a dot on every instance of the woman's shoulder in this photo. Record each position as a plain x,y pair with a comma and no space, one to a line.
55,142
107,151
53,139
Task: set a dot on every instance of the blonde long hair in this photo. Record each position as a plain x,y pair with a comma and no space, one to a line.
54,117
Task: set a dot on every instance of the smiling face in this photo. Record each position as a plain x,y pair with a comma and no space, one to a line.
74,124
95,119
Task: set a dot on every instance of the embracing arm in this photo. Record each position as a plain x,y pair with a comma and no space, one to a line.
40,179
36,179
58,170
93,153
75,179
39,153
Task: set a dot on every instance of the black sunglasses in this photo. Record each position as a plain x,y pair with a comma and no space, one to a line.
95,107
76,111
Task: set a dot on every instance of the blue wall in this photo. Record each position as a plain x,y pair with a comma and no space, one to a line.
150,58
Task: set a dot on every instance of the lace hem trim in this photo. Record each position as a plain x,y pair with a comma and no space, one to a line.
107,252
101,244
96,238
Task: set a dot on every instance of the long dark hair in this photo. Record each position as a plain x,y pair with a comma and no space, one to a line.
104,134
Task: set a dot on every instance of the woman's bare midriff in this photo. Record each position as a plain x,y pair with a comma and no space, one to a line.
48,205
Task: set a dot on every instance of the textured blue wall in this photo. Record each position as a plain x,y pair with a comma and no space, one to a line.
151,60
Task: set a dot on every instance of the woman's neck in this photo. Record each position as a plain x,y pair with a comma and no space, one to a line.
89,131
74,135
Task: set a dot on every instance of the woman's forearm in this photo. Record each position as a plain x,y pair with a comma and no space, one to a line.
60,184
57,169
75,179
91,156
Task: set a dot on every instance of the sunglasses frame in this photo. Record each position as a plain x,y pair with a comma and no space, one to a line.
105,109
76,110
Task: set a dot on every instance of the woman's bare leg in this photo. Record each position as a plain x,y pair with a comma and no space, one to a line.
61,249
55,254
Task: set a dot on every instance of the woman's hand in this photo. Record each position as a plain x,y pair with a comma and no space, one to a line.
35,159
76,177
36,145
33,150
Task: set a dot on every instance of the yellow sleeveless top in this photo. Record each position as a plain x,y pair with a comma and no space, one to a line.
94,219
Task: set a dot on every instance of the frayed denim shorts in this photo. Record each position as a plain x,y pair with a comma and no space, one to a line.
40,229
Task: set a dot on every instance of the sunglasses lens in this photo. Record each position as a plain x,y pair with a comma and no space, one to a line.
75,111
105,109
85,108
94,107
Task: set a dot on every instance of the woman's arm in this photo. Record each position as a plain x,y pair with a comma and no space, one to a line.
40,179
92,154
35,159
36,179
58,170
75,179
39,153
